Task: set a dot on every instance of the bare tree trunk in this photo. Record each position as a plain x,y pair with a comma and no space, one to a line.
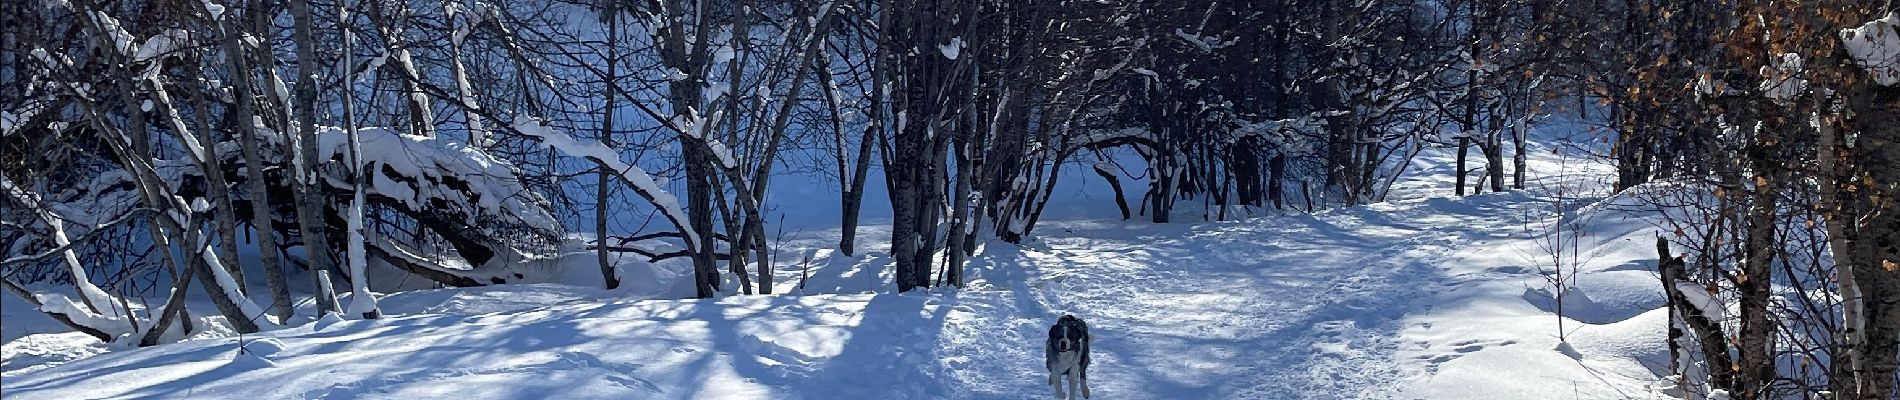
218,190
174,309
1518,133
1464,145
601,191
311,199
1676,324
1494,158
215,188
1163,167
421,117
908,174
133,152
1837,210
477,133
1708,332
1756,360
690,57
754,228
1115,184
853,200
1276,180
1876,247
261,220
362,302
959,235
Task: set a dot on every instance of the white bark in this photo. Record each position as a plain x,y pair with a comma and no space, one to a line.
362,302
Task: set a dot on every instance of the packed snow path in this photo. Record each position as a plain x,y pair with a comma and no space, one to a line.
1334,305
1301,306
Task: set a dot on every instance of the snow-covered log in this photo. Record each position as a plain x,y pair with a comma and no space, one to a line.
476,202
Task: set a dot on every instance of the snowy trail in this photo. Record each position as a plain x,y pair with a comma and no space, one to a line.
1293,306
1364,302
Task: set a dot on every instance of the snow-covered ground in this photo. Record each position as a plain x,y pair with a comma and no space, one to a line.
1427,297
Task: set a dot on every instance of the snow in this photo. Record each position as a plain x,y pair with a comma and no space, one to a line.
952,49
216,10
1783,81
8,121
362,303
161,44
1699,297
103,315
60,304
693,125
723,53
122,41
1427,296
461,33
230,286
1876,45
492,186
674,75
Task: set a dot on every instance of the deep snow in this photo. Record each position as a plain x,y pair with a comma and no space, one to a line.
1429,297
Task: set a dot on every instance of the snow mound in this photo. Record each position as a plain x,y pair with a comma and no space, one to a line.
262,347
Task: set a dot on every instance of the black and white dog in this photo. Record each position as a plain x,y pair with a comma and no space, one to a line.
1067,353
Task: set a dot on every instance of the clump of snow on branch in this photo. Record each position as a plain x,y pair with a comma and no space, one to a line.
1782,80
488,184
694,126
641,181
106,316
1279,133
1700,299
161,44
952,49
1876,46
122,41
229,285
216,10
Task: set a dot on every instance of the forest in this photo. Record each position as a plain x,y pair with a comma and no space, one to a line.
223,170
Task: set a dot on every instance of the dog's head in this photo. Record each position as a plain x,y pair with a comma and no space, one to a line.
1068,334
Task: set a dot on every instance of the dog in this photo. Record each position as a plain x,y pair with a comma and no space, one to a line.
1067,353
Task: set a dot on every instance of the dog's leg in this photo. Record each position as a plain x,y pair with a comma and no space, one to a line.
1055,381
1073,381
1084,373
1049,360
